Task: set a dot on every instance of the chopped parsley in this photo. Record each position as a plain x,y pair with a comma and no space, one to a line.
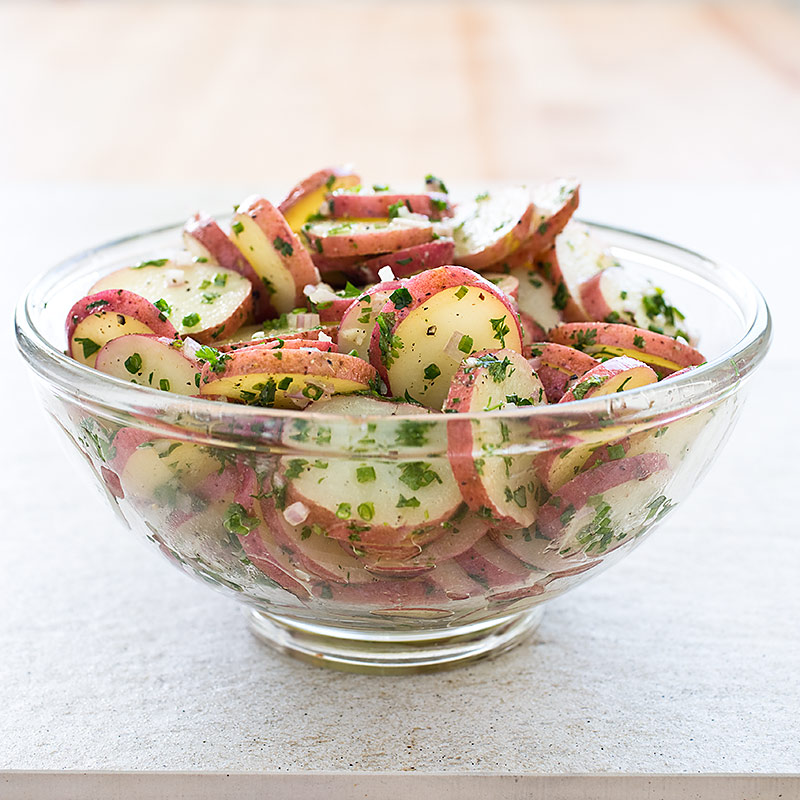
153,262
431,372
412,434
388,344
401,298
237,227
581,390
216,361
365,474
90,347
461,292
191,320
465,344
501,330
498,370
560,296
163,384
638,341
417,474
282,246
238,521
133,363
407,502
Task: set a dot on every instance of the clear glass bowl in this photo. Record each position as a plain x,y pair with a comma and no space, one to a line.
207,482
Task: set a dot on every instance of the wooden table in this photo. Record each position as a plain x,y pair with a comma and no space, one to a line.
262,92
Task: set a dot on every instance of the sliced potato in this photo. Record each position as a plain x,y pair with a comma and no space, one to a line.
155,361
618,374
105,315
274,251
305,199
427,327
355,328
204,301
338,238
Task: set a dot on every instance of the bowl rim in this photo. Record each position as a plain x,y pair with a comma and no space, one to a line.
700,387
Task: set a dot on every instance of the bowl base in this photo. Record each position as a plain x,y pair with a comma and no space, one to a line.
385,652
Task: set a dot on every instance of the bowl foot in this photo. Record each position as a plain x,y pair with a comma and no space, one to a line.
393,651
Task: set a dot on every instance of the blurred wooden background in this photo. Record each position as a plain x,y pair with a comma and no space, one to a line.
238,92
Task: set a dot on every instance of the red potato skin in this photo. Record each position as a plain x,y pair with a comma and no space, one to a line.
532,331
406,262
208,233
460,444
311,335
270,359
501,249
332,313
427,284
298,262
121,302
618,335
547,264
495,567
606,370
593,300
596,481
316,181
556,365
369,243
377,206
453,580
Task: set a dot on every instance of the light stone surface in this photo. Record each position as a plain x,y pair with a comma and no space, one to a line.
683,658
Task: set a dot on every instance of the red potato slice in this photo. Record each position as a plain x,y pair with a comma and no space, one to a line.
275,252
497,486
231,510
329,304
322,338
452,579
607,506
285,378
312,550
355,328
201,300
102,316
403,263
435,320
531,331
557,466
557,365
619,374
208,243
343,204
508,284
618,294
336,238
576,256
554,202
491,566
605,340
538,300
155,361
305,199
492,227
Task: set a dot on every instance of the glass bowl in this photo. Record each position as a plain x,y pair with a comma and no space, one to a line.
209,483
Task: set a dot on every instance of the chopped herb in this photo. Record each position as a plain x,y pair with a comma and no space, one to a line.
567,514
96,304
295,468
580,391
584,339
285,383
638,341
153,262
501,330
238,521
190,320
388,344
401,262
380,187
407,502
163,384
616,452
465,344
365,474
133,363
282,246
312,391
164,307
401,298
216,361
343,511
438,204
497,369
479,198
431,372
394,209
435,184
366,511
417,474
461,292
90,347
237,227
412,434
220,279
209,297
542,229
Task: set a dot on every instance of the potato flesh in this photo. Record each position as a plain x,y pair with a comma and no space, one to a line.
266,262
101,328
580,256
480,224
355,328
249,388
606,351
162,366
168,464
508,480
626,380
427,330
629,508
297,215
180,286
334,485
536,298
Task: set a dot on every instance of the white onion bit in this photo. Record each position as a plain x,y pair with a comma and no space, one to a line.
451,348
323,337
296,513
304,321
386,274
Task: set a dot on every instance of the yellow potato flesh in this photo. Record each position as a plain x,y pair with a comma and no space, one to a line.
308,205
427,331
266,261
645,358
102,328
262,388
